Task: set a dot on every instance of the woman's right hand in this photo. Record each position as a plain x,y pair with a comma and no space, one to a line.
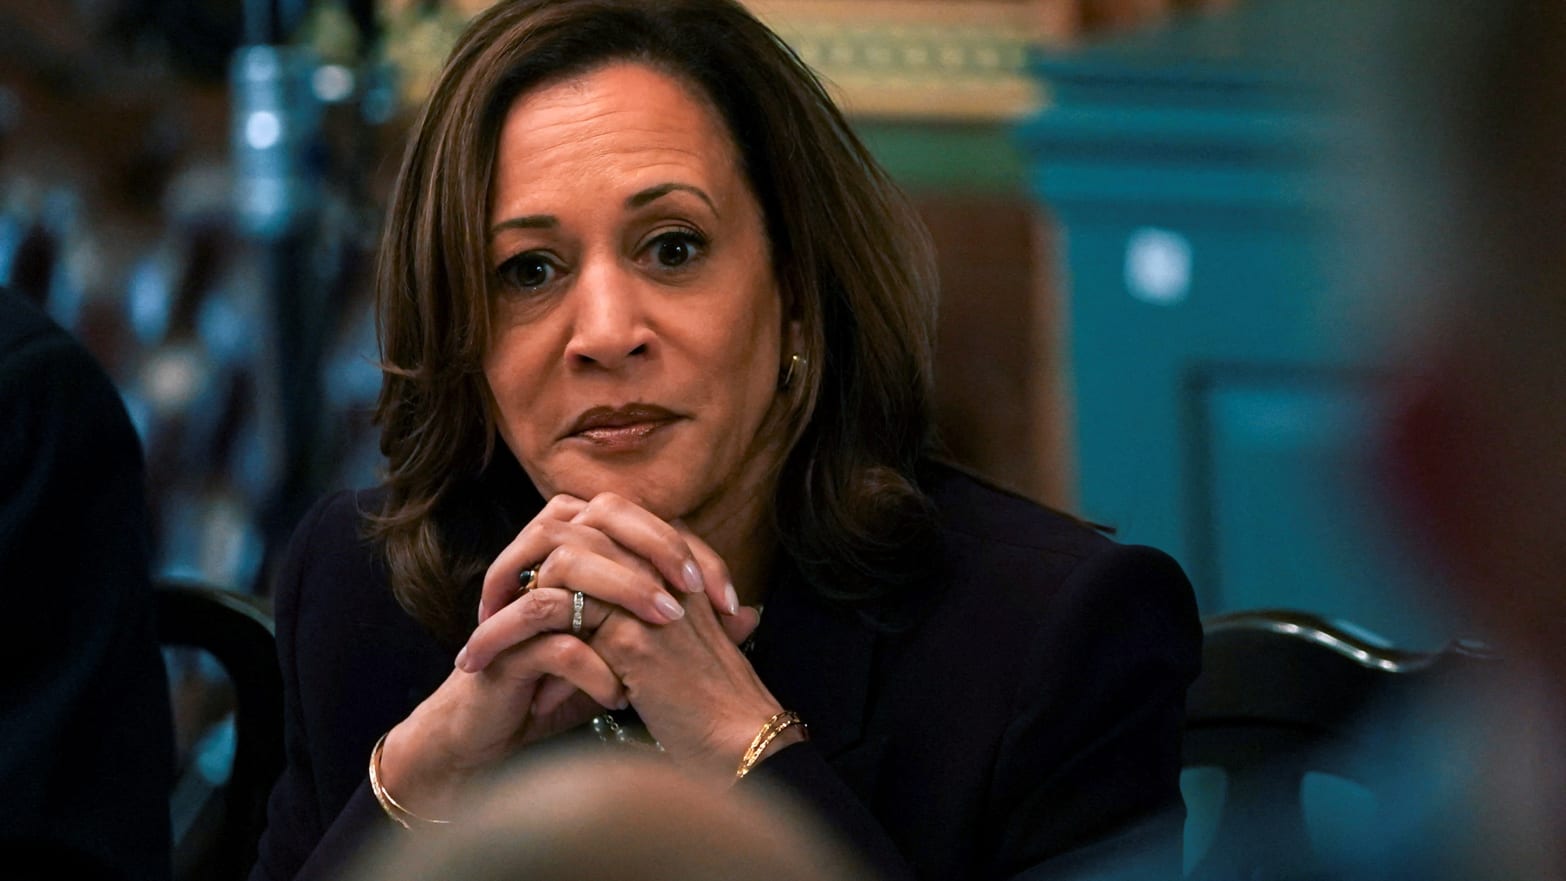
475,720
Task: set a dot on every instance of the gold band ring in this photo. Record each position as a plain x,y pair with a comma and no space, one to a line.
527,579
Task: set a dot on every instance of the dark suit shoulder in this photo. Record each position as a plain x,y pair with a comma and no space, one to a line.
334,586
332,551
1039,688
54,394
969,506
79,623
343,514
1023,572
333,593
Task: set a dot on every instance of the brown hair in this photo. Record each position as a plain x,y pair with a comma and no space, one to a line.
852,259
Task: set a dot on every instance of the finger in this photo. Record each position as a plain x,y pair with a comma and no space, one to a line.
551,694
575,705
543,610
582,557
627,585
561,656
525,551
646,535
740,625
554,693
715,572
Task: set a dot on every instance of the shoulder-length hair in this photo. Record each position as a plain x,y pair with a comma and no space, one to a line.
852,259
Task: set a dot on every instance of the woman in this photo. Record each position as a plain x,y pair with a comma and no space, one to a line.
656,334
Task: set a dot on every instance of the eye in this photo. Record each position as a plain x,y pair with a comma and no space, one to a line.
527,271
677,248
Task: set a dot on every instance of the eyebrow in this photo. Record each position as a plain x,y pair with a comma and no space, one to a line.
531,221
635,200
658,191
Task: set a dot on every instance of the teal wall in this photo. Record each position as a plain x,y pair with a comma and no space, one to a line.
949,157
1228,401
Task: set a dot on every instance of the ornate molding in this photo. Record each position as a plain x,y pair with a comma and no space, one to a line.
924,59
932,60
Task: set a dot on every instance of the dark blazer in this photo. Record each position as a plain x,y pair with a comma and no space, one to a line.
86,737
1021,720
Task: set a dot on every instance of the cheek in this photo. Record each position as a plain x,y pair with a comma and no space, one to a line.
756,372
755,345
513,392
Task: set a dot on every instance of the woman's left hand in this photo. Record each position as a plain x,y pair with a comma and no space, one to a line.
692,686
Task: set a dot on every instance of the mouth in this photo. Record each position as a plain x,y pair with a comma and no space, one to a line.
621,427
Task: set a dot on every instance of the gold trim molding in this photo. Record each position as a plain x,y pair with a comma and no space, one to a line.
934,60
901,60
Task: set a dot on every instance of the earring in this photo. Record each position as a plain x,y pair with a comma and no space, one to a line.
796,364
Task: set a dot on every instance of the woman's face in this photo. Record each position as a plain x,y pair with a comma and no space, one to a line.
637,326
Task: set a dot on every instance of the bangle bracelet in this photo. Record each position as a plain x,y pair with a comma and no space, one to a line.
393,809
763,739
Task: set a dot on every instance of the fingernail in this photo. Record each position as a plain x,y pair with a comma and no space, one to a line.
624,704
693,580
462,660
731,599
670,607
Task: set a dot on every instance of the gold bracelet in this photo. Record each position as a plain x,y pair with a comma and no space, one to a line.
763,739
388,804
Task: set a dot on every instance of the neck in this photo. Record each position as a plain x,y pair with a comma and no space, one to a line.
737,525
748,551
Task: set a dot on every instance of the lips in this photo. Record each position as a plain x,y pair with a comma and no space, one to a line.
620,426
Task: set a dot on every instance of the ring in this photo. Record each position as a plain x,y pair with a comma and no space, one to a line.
527,579
577,602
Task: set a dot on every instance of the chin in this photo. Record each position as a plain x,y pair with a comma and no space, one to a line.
664,498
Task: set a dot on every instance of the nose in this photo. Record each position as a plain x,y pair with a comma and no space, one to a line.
609,327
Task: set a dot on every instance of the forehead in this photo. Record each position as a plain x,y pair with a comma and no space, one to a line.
620,120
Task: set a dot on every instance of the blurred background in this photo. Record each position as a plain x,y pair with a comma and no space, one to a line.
1175,292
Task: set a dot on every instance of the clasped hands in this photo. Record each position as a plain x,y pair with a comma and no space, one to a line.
661,626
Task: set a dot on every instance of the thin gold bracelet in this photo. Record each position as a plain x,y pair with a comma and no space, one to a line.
388,804
763,739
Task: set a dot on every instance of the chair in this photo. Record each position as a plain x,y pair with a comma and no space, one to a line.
1283,694
217,829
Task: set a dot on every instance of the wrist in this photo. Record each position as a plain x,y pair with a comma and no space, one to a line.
420,786
788,737
780,730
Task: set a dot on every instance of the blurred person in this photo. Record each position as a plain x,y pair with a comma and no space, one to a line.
1479,449
86,733
655,333
592,815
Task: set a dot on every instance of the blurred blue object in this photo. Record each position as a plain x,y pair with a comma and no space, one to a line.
12,232
214,752
66,293
228,322
277,119
149,299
